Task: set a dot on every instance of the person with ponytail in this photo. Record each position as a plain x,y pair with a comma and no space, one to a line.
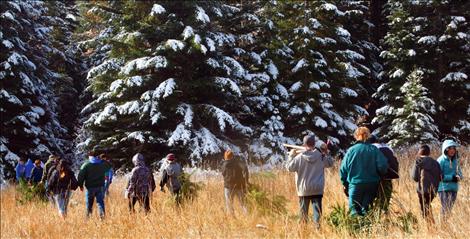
360,171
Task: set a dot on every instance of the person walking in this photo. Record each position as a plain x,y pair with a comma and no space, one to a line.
28,168
451,176
171,171
20,170
360,172
36,172
140,185
108,178
61,184
427,173
384,194
235,181
309,167
92,175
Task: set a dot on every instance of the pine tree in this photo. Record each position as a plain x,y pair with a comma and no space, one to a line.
413,122
399,61
29,122
171,83
320,72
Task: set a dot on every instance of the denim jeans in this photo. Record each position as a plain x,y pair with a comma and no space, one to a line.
229,196
62,201
361,196
90,195
447,201
316,204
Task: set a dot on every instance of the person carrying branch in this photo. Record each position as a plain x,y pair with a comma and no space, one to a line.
309,165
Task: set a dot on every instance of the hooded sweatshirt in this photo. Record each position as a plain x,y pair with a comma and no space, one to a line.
92,173
309,167
449,167
141,183
20,171
427,173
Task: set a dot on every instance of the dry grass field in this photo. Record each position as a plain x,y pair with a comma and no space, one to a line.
205,217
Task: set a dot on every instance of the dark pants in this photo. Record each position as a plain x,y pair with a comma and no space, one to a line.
384,194
447,200
316,204
361,196
90,195
425,200
144,202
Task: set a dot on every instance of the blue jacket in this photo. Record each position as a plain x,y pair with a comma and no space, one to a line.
36,174
28,168
20,171
363,163
449,168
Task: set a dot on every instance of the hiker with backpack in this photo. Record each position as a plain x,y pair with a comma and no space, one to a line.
360,172
140,185
451,176
384,194
49,167
61,184
427,173
92,175
171,171
309,167
235,173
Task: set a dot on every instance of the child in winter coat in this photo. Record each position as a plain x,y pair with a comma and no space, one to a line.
427,173
61,184
451,175
141,184
172,170
36,173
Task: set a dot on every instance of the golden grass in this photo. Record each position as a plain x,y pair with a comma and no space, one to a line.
205,217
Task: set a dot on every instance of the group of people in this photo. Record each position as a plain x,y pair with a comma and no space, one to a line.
366,172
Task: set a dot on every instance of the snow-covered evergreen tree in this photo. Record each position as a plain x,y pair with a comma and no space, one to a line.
413,122
320,71
30,123
170,83
443,49
399,59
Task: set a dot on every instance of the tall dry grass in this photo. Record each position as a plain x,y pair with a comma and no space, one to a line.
205,217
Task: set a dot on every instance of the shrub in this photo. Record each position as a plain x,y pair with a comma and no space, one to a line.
28,193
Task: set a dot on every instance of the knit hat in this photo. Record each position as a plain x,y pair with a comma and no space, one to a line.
228,154
170,157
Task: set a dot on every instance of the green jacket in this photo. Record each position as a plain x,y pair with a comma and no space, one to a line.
449,168
92,173
363,163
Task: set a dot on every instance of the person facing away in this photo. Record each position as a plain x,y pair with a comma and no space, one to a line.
360,172
20,170
171,171
385,190
451,176
92,175
427,173
61,184
309,167
235,175
108,178
140,185
36,172
28,168
51,163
